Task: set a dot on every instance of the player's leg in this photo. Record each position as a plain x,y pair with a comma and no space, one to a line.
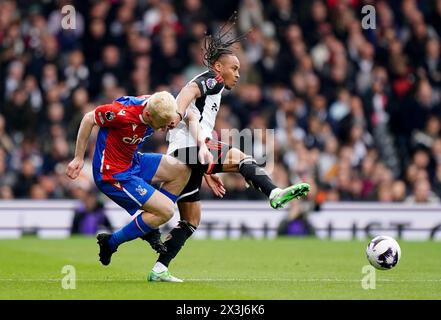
136,193
190,213
237,161
158,208
174,176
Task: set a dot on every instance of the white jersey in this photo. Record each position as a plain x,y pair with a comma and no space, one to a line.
206,106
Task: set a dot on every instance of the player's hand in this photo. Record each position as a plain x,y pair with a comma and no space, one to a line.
174,122
205,156
216,185
74,168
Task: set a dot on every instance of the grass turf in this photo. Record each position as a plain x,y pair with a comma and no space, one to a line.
286,269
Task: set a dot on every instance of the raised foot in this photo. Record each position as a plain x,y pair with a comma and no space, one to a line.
286,195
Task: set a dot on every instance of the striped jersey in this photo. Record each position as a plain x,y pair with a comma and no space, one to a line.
206,107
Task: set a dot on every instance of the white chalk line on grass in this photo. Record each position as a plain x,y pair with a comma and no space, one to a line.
221,280
313,280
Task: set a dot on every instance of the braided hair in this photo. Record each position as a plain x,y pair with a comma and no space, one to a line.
219,44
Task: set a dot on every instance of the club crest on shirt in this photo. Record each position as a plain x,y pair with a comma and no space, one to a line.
211,83
109,115
142,191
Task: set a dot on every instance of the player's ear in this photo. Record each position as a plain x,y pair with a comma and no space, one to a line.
217,66
147,115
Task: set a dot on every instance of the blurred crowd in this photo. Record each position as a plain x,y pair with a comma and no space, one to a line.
355,112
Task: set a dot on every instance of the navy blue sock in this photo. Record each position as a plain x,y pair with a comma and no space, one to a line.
135,229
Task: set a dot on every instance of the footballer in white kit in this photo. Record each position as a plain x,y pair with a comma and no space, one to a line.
202,96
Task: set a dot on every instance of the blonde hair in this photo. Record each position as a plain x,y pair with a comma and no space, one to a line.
162,106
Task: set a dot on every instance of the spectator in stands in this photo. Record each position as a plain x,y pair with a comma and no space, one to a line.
423,193
307,67
437,180
296,222
90,217
26,179
398,191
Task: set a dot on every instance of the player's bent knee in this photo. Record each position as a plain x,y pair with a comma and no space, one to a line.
246,159
165,214
241,154
168,212
244,156
237,155
161,205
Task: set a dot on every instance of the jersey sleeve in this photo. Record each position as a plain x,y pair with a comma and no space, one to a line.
208,84
109,115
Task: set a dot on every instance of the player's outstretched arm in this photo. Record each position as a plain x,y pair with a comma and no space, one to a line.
74,167
205,156
184,98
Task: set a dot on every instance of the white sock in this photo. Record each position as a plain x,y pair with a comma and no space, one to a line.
274,192
159,267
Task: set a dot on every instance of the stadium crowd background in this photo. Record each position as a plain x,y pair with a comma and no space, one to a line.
356,112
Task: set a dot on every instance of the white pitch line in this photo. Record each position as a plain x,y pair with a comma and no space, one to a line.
57,280
224,280
311,280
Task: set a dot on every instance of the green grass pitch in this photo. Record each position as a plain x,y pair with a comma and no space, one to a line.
287,269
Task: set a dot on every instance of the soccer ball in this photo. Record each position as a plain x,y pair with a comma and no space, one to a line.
383,252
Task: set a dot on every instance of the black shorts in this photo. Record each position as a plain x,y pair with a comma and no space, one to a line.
189,155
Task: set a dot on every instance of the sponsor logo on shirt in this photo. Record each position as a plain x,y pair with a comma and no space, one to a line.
134,140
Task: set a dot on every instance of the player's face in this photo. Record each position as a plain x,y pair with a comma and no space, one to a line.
158,123
163,125
229,70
